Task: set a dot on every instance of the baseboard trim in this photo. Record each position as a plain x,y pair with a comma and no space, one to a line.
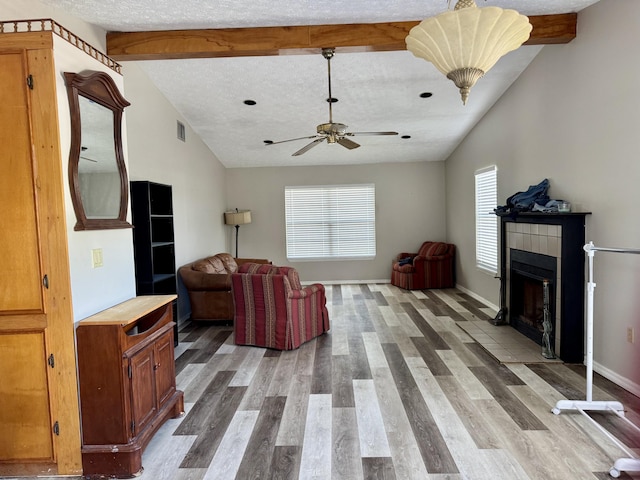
478,297
345,282
619,380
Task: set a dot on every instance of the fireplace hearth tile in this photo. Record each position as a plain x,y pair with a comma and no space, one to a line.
504,343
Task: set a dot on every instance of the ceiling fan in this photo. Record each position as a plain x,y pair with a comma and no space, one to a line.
331,132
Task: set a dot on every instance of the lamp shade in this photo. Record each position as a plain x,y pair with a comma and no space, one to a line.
465,43
241,217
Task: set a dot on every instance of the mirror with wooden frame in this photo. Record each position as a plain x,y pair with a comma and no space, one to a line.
97,172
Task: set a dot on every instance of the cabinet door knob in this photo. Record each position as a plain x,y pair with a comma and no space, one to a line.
156,366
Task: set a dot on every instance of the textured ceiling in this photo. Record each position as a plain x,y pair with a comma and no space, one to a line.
376,90
130,15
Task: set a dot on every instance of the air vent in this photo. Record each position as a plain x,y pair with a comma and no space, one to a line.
182,135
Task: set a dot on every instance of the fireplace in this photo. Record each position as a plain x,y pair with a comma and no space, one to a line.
532,290
538,247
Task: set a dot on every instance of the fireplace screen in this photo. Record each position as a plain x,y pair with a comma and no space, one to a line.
528,273
527,305
531,308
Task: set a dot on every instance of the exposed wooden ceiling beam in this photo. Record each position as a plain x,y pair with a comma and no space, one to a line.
261,41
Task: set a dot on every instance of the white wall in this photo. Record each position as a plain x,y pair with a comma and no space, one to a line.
572,117
410,205
195,174
92,289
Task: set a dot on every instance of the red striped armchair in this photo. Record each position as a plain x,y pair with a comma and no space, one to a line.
432,267
273,310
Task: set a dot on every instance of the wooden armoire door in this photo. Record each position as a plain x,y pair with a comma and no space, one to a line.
38,396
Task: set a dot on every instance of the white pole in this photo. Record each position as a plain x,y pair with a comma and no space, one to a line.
589,403
590,287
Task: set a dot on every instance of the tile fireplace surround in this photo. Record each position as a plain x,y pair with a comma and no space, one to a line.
561,236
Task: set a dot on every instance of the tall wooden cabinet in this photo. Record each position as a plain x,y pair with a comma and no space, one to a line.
39,417
126,367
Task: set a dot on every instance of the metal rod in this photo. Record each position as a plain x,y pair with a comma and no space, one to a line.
610,436
330,99
590,247
237,230
590,287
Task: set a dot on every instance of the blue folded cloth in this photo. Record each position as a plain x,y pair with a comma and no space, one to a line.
405,261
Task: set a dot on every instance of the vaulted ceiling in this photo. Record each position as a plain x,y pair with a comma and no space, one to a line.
208,58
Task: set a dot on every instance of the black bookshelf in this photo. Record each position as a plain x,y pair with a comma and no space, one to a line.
153,240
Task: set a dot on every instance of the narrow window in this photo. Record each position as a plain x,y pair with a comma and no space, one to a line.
333,222
486,219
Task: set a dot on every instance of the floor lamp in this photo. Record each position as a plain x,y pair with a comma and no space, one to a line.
237,218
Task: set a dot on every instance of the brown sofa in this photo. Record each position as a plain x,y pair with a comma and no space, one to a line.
208,282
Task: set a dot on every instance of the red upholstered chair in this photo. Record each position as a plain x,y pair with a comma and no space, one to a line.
273,310
432,267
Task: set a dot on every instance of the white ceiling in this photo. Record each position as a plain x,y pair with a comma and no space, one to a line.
376,90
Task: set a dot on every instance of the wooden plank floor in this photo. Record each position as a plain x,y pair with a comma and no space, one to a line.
396,390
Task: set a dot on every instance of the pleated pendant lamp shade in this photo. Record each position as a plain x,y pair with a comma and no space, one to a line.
466,42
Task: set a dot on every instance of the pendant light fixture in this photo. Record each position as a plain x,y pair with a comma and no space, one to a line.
466,42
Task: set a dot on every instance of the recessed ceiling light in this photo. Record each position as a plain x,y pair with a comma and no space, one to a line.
268,142
405,136
250,102
425,94
332,100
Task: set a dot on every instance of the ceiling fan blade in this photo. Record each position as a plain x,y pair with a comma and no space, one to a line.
308,147
351,134
345,142
292,140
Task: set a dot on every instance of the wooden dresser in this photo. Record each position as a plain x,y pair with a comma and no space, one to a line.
127,382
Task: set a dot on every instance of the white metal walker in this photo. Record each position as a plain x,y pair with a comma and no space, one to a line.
630,463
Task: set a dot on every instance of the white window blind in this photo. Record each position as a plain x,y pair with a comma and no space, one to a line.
486,219
330,222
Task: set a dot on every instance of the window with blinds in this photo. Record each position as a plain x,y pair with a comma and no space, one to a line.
486,219
333,222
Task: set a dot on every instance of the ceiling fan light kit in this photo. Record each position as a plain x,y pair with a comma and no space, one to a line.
331,132
466,42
